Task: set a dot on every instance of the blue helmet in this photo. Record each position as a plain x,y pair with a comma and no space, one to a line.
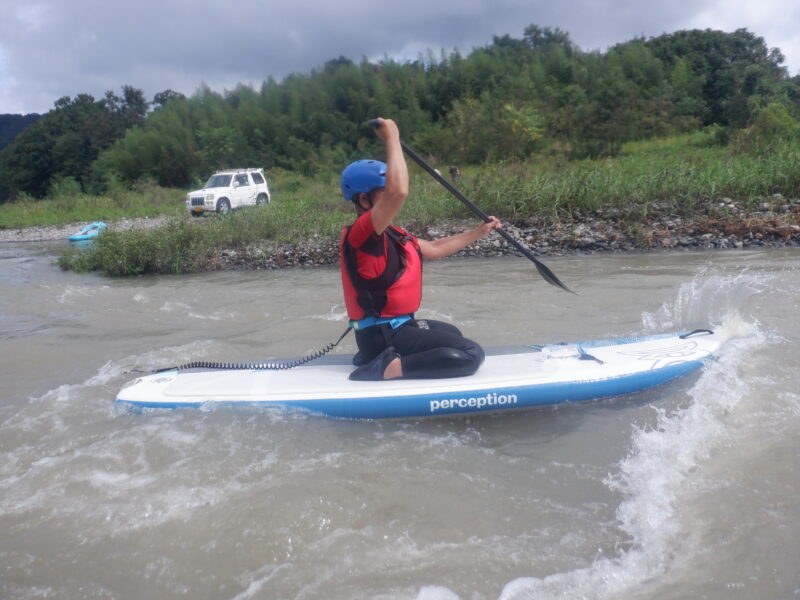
362,176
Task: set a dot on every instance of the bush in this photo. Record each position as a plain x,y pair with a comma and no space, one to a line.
773,125
61,187
179,247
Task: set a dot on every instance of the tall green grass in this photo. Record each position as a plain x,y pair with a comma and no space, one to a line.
684,175
68,206
681,175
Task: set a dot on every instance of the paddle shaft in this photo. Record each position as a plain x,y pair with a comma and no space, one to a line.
544,271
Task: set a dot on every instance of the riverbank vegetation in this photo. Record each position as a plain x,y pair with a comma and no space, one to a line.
689,176
67,203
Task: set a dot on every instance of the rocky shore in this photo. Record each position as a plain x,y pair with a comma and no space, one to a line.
724,225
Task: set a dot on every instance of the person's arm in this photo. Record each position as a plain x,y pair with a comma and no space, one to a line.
452,244
389,202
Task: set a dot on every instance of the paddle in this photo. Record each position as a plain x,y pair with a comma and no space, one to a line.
544,271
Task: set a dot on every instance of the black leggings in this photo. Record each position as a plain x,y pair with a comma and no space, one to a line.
428,349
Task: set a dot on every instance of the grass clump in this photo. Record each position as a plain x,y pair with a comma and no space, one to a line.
178,247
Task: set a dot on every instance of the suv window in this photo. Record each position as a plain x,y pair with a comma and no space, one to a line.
257,178
219,181
242,179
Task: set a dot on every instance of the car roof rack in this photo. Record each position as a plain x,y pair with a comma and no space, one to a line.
245,170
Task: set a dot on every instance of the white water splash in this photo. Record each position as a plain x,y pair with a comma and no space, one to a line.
656,476
708,298
653,479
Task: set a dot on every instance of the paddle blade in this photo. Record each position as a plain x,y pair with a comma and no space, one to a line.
550,277
544,271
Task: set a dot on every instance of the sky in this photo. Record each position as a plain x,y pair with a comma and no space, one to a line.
55,48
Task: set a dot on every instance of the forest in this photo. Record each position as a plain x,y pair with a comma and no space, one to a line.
503,102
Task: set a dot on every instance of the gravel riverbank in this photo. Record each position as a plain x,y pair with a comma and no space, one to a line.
54,233
724,225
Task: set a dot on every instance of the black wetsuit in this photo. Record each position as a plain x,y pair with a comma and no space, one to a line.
428,349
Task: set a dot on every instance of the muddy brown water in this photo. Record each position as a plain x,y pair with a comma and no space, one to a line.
688,490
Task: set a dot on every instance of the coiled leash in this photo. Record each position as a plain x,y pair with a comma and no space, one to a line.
259,366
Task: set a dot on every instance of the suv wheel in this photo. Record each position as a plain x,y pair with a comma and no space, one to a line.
223,206
261,199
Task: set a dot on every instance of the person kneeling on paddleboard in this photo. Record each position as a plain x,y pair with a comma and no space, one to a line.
382,277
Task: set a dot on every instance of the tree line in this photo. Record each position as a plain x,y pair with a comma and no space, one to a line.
501,102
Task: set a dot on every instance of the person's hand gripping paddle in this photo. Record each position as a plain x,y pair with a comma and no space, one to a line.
544,271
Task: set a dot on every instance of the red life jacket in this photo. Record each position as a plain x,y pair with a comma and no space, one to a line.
394,292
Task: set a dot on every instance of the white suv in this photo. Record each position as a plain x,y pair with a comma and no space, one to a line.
226,190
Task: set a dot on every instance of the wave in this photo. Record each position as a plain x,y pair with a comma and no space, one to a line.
665,460
653,479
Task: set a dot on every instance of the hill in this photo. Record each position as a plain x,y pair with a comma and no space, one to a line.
12,125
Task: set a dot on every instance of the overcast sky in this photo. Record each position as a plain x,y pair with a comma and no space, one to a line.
55,48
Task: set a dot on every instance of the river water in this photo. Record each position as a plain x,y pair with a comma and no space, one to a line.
686,491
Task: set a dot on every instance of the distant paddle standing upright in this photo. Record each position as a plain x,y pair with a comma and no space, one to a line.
381,269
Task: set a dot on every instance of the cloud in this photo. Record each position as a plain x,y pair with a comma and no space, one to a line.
52,48
775,20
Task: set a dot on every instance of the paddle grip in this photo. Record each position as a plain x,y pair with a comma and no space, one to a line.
544,271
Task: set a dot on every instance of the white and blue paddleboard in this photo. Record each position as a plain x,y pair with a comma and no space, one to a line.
510,378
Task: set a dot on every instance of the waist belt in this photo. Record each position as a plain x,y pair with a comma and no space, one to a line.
395,322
